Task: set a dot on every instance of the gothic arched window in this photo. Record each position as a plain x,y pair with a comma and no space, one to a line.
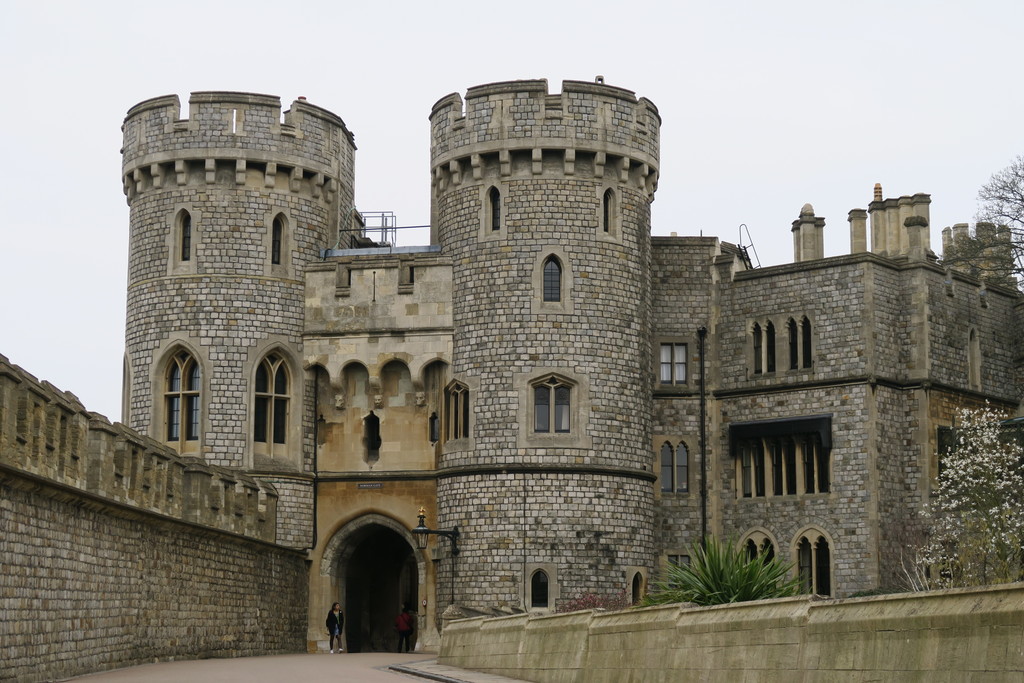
270,409
276,235
185,235
805,327
814,564
539,589
552,279
552,402
182,401
494,208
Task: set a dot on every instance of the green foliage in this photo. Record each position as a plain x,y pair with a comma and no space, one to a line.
723,573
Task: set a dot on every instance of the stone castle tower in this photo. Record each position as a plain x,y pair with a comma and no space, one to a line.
227,208
542,204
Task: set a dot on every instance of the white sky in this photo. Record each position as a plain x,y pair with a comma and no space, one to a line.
765,106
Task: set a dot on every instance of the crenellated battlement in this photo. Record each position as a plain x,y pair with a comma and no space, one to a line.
987,254
48,437
589,129
237,137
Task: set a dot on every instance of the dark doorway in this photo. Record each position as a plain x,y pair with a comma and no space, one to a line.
380,577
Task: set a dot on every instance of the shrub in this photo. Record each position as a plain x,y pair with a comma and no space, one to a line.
723,573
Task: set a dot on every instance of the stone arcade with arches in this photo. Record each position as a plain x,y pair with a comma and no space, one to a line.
579,398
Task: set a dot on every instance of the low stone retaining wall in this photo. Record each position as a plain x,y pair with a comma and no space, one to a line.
960,635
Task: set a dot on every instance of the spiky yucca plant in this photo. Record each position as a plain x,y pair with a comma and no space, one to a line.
723,573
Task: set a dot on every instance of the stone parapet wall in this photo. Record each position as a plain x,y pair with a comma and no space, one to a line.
307,141
46,435
115,551
85,587
522,115
937,636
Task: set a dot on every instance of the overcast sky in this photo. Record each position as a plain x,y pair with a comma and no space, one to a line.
765,106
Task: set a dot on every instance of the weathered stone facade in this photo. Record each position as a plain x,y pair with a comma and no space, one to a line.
580,399
427,369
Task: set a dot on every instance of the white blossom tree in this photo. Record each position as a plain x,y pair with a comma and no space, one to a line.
977,515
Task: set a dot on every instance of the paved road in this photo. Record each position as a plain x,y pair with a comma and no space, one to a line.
302,668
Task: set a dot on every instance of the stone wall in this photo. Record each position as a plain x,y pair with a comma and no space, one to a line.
116,552
952,635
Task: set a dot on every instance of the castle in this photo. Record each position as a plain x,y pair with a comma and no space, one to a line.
572,401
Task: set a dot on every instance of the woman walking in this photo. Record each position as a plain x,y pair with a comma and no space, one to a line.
335,622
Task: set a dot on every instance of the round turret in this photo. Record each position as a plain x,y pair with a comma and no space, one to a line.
542,202
227,207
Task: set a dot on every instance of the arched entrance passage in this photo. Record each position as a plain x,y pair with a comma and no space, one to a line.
377,571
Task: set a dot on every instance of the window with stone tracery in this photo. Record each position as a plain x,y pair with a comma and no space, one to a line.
457,411
759,545
814,563
675,467
271,404
552,402
183,402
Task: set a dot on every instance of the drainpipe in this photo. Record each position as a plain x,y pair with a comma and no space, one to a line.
702,333
316,449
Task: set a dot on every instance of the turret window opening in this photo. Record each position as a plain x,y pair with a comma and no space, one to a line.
494,208
457,422
552,279
185,233
552,403
275,240
769,343
270,413
608,210
182,401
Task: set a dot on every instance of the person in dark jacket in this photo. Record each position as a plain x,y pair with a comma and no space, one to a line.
335,622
